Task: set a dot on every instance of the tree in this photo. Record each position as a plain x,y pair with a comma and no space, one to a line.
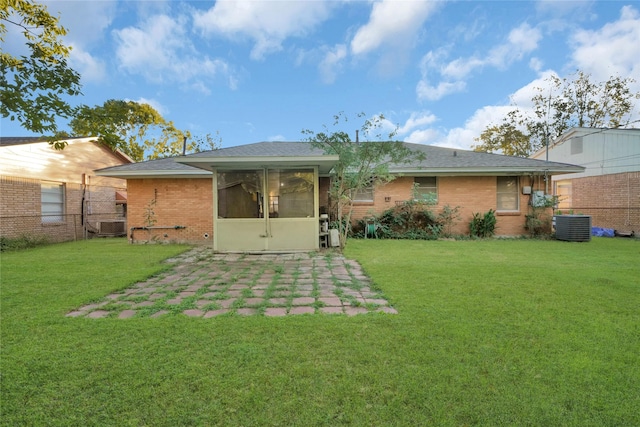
33,86
360,164
506,139
132,128
564,103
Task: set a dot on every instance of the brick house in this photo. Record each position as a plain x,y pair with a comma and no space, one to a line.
269,195
55,193
608,189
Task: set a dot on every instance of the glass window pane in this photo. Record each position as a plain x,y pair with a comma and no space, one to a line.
240,194
507,193
426,187
52,202
291,193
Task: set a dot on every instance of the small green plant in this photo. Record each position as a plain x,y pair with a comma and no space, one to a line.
150,214
483,225
447,218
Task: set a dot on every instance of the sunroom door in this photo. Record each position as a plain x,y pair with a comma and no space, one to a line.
291,199
240,224
266,209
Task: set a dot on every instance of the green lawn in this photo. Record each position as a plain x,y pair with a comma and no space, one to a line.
513,332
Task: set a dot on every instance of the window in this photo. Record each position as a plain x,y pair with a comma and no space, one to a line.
508,194
240,194
426,188
563,191
52,202
291,193
364,195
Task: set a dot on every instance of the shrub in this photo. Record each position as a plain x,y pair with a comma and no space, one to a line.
483,225
23,242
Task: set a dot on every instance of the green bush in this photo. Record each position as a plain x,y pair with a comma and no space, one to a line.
483,225
411,220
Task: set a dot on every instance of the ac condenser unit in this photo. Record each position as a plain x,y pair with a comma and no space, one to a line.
573,228
111,228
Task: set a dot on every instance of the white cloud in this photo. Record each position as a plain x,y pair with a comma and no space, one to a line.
464,137
89,67
536,64
426,91
331,64
520,41
160,50
423,136
267,23
613,50
417,119
391,23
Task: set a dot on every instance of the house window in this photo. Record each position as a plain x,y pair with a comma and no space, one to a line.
364,195
52,202
508,194
563,191
426,188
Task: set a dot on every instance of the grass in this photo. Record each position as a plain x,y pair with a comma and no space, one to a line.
491,332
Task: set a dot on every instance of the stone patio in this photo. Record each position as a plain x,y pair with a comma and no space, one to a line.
206,284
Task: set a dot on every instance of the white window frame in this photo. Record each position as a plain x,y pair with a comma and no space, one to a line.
52,202
514,192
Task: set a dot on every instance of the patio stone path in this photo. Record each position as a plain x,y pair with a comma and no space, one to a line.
206,284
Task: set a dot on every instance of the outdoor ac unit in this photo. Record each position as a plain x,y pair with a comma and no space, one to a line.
111,228
573,228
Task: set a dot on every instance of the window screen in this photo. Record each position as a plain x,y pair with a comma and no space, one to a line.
426,187
508,195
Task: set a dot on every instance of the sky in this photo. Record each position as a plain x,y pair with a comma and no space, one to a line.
439,72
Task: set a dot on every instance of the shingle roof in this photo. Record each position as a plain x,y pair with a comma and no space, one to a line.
450,158
437,159
265,149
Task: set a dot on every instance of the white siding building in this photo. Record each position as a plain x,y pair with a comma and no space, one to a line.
609,187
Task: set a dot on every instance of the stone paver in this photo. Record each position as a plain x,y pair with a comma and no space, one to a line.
206,284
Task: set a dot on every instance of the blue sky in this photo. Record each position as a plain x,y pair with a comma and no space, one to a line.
249,71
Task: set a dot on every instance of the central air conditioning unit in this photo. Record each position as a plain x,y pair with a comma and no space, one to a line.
111,228
573,228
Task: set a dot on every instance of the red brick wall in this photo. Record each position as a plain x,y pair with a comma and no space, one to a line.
613,201
178,202
473,194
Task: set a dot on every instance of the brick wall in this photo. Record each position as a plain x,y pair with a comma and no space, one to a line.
473,194
21,211
178,202
613,201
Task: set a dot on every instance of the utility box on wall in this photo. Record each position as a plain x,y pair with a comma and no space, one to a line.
573,228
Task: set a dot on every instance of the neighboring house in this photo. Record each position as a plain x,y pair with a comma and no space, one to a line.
609,188
269,195
55,194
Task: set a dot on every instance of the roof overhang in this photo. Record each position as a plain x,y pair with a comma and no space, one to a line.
485,171
140,174
324,163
